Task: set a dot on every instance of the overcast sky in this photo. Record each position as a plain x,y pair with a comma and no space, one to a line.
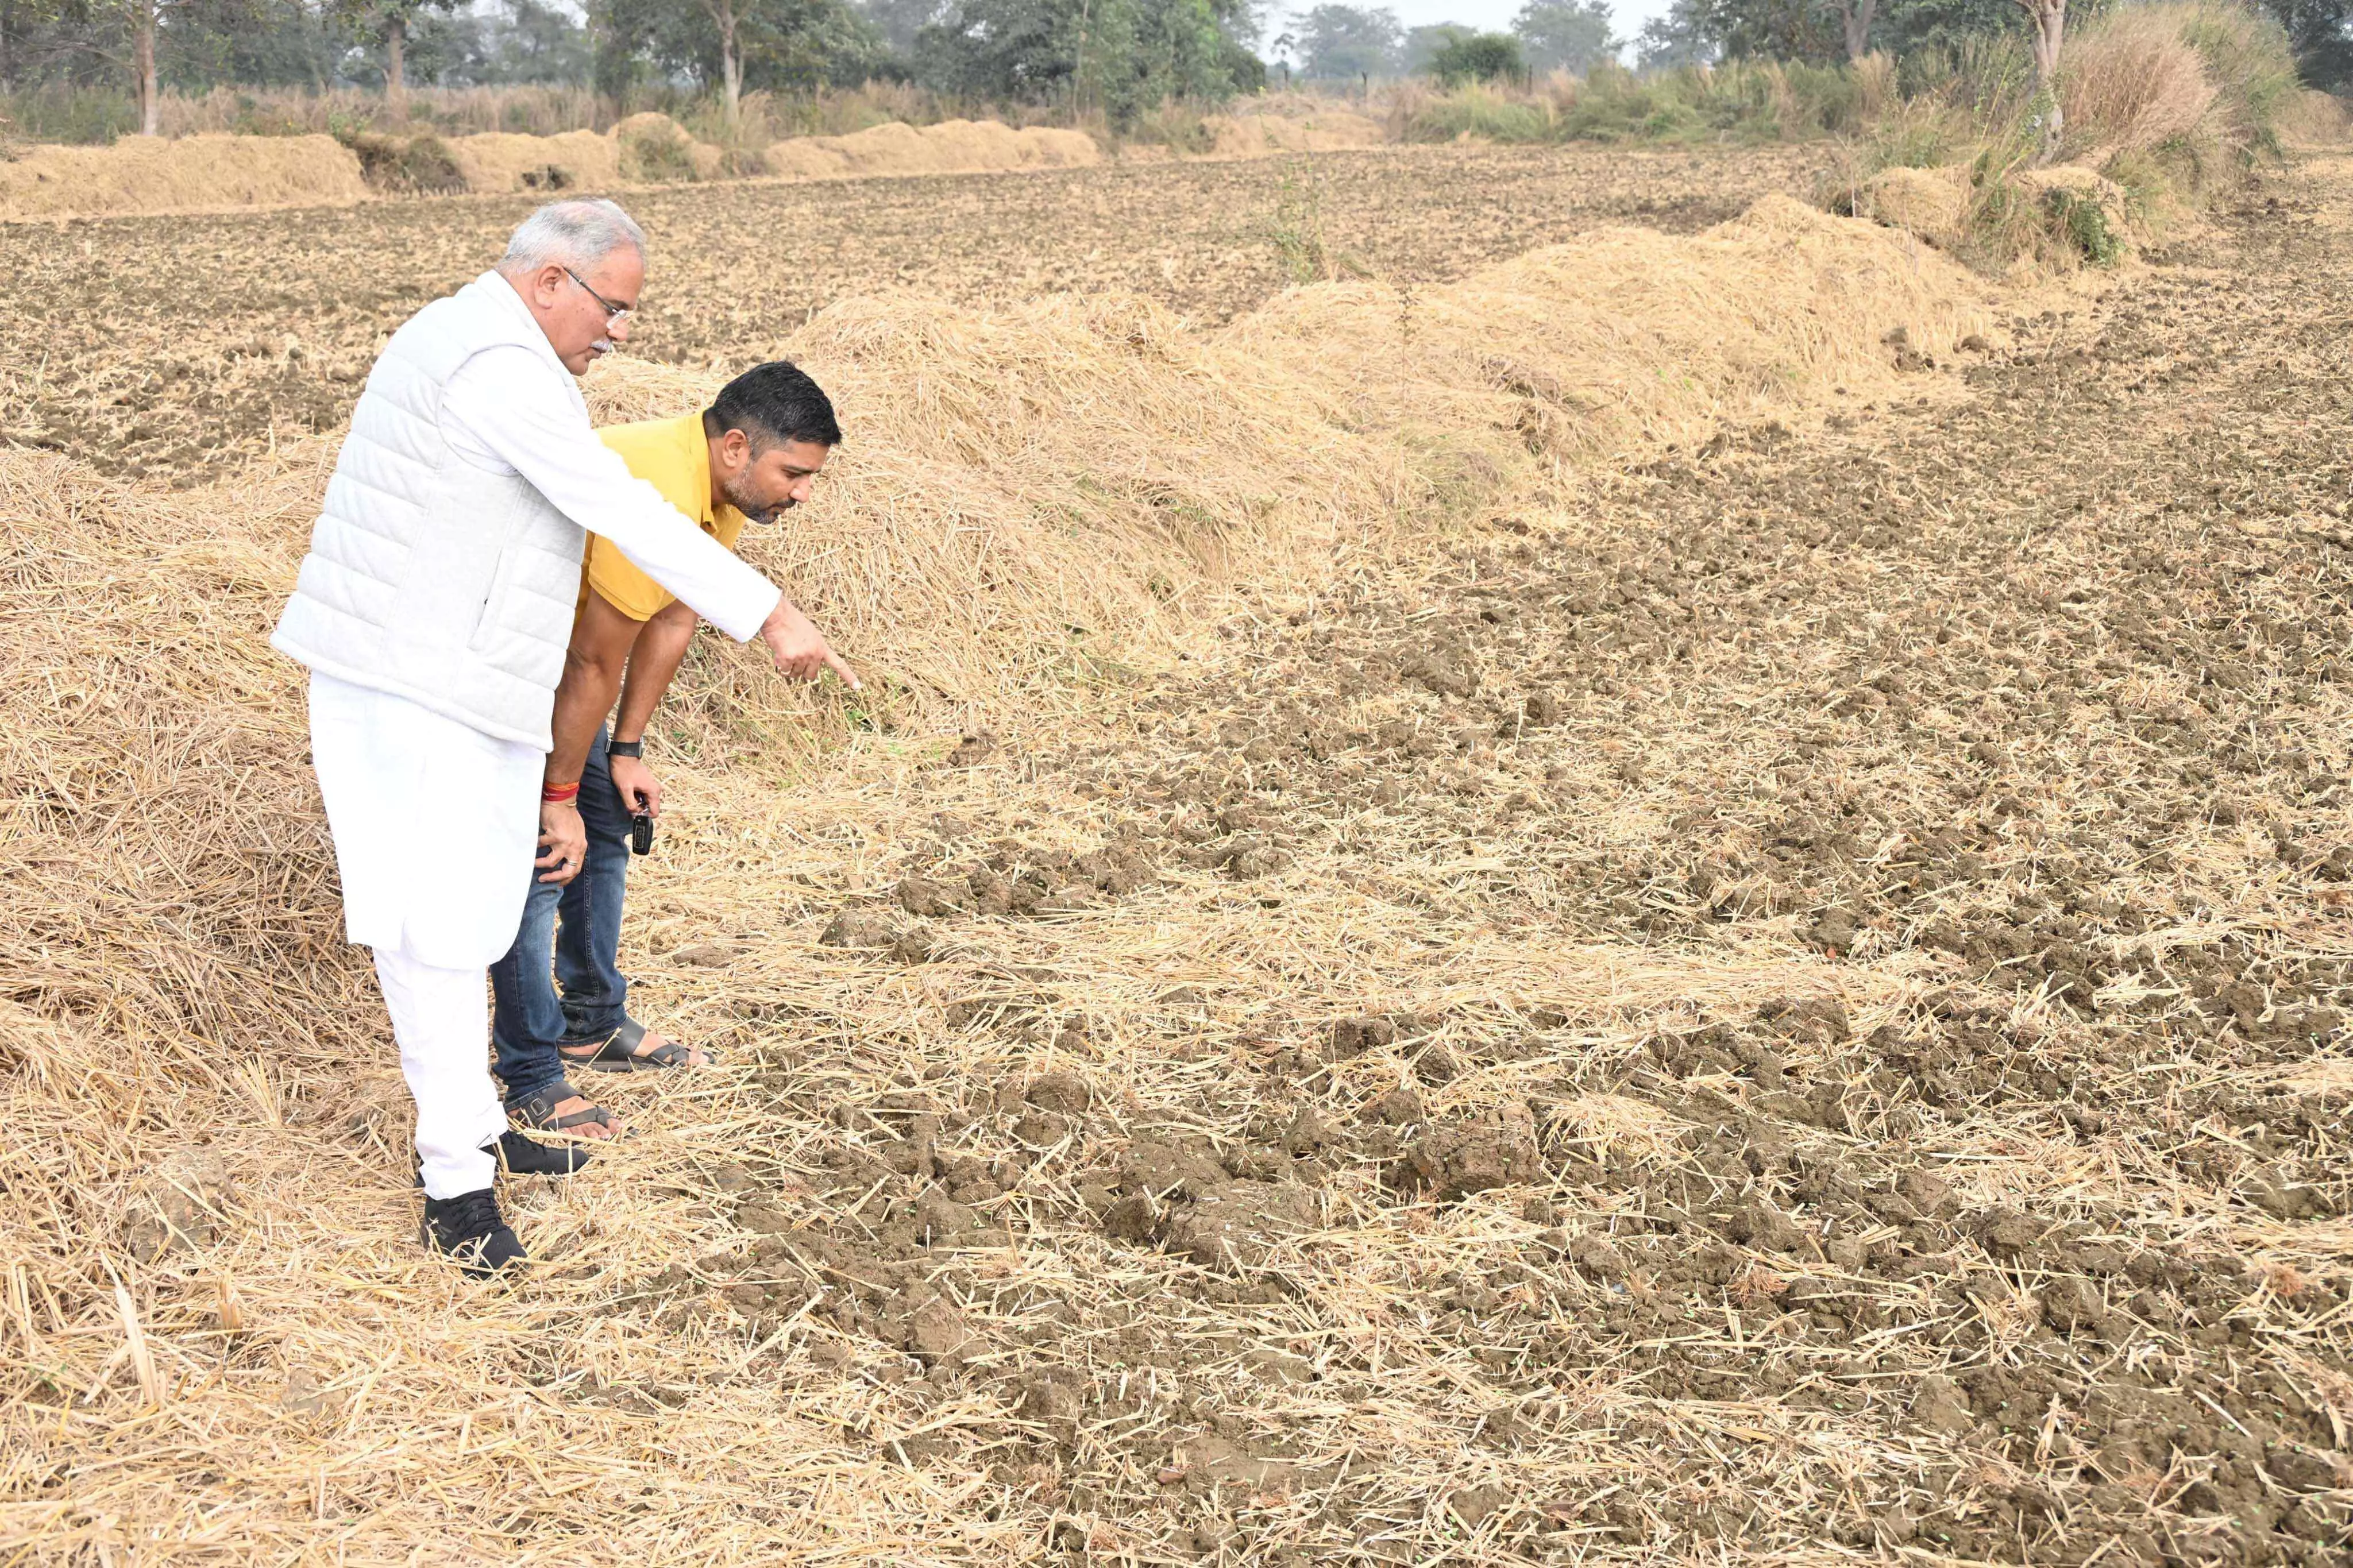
1487,16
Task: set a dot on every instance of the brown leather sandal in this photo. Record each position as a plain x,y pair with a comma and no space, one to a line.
617,1052
536,1110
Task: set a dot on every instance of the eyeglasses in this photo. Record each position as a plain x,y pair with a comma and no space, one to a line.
613,314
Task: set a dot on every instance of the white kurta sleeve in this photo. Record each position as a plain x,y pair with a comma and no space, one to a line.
507,402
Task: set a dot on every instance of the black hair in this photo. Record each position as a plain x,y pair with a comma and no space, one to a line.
773,402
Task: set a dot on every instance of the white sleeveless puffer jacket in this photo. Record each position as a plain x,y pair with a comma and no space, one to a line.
427,577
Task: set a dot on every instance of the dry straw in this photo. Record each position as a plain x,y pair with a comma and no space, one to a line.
1256,135
149,175
950,147
199,1104
509,160
1620,339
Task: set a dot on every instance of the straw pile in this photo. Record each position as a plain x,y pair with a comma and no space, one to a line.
1257,135
216,1323
1931,202
950,147
500,161
1620,339
654,148
149,175
2316,118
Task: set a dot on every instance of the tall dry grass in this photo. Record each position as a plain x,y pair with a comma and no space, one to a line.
2165,106
2132,82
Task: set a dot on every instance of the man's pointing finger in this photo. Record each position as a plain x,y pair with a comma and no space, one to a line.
849,675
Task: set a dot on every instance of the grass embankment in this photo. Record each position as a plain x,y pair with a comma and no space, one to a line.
2161,108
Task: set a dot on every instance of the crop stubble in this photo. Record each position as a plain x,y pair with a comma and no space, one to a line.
1785,1001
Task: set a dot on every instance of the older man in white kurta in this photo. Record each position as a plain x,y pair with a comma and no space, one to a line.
434,610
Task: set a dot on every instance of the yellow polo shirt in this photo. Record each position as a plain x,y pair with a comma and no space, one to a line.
672,456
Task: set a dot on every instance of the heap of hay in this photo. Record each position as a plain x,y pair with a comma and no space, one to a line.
2315,118
150,174
1256,135
1620,339
655,148
499,160
951,147
1931,202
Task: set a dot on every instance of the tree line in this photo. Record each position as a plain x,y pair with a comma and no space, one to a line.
1115,57
1338,42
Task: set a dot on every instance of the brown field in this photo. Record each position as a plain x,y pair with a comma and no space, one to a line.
1777,998
165,345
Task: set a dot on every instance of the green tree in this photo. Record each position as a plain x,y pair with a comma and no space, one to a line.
900,21
1685,36
532,43
1420,50
1338,42
1481,57
2321,34
1120,56
1566,35
388,23
733,44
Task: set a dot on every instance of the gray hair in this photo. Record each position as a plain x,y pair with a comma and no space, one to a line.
578,233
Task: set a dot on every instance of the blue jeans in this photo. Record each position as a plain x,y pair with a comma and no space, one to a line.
529,1020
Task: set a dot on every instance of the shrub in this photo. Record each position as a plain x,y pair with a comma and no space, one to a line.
2081,224
2133,81
2249,58
1478,110
655,148
1480,57
402,165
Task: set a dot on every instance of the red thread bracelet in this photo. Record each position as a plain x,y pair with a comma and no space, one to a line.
552,794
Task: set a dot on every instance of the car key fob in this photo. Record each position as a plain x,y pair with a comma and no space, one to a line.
641,834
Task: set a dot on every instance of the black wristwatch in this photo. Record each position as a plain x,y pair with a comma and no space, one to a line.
625,748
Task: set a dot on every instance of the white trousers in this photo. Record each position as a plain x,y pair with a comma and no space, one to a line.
435,825
441,1020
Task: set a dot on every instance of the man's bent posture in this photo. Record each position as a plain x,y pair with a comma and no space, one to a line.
434,610
755,453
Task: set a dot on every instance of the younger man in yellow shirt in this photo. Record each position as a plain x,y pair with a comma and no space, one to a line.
753,454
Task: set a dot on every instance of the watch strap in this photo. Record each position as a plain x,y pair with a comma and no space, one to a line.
626,748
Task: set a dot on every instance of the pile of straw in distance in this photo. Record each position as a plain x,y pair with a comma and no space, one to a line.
950,147
1256,135
222,1338
150,174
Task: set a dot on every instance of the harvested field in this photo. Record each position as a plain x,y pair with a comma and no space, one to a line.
1779,1001
270,319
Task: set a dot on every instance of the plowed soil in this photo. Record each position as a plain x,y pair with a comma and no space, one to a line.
1834,1039
1785,1004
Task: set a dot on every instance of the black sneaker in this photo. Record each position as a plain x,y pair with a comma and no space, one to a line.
469,1230
520,1156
